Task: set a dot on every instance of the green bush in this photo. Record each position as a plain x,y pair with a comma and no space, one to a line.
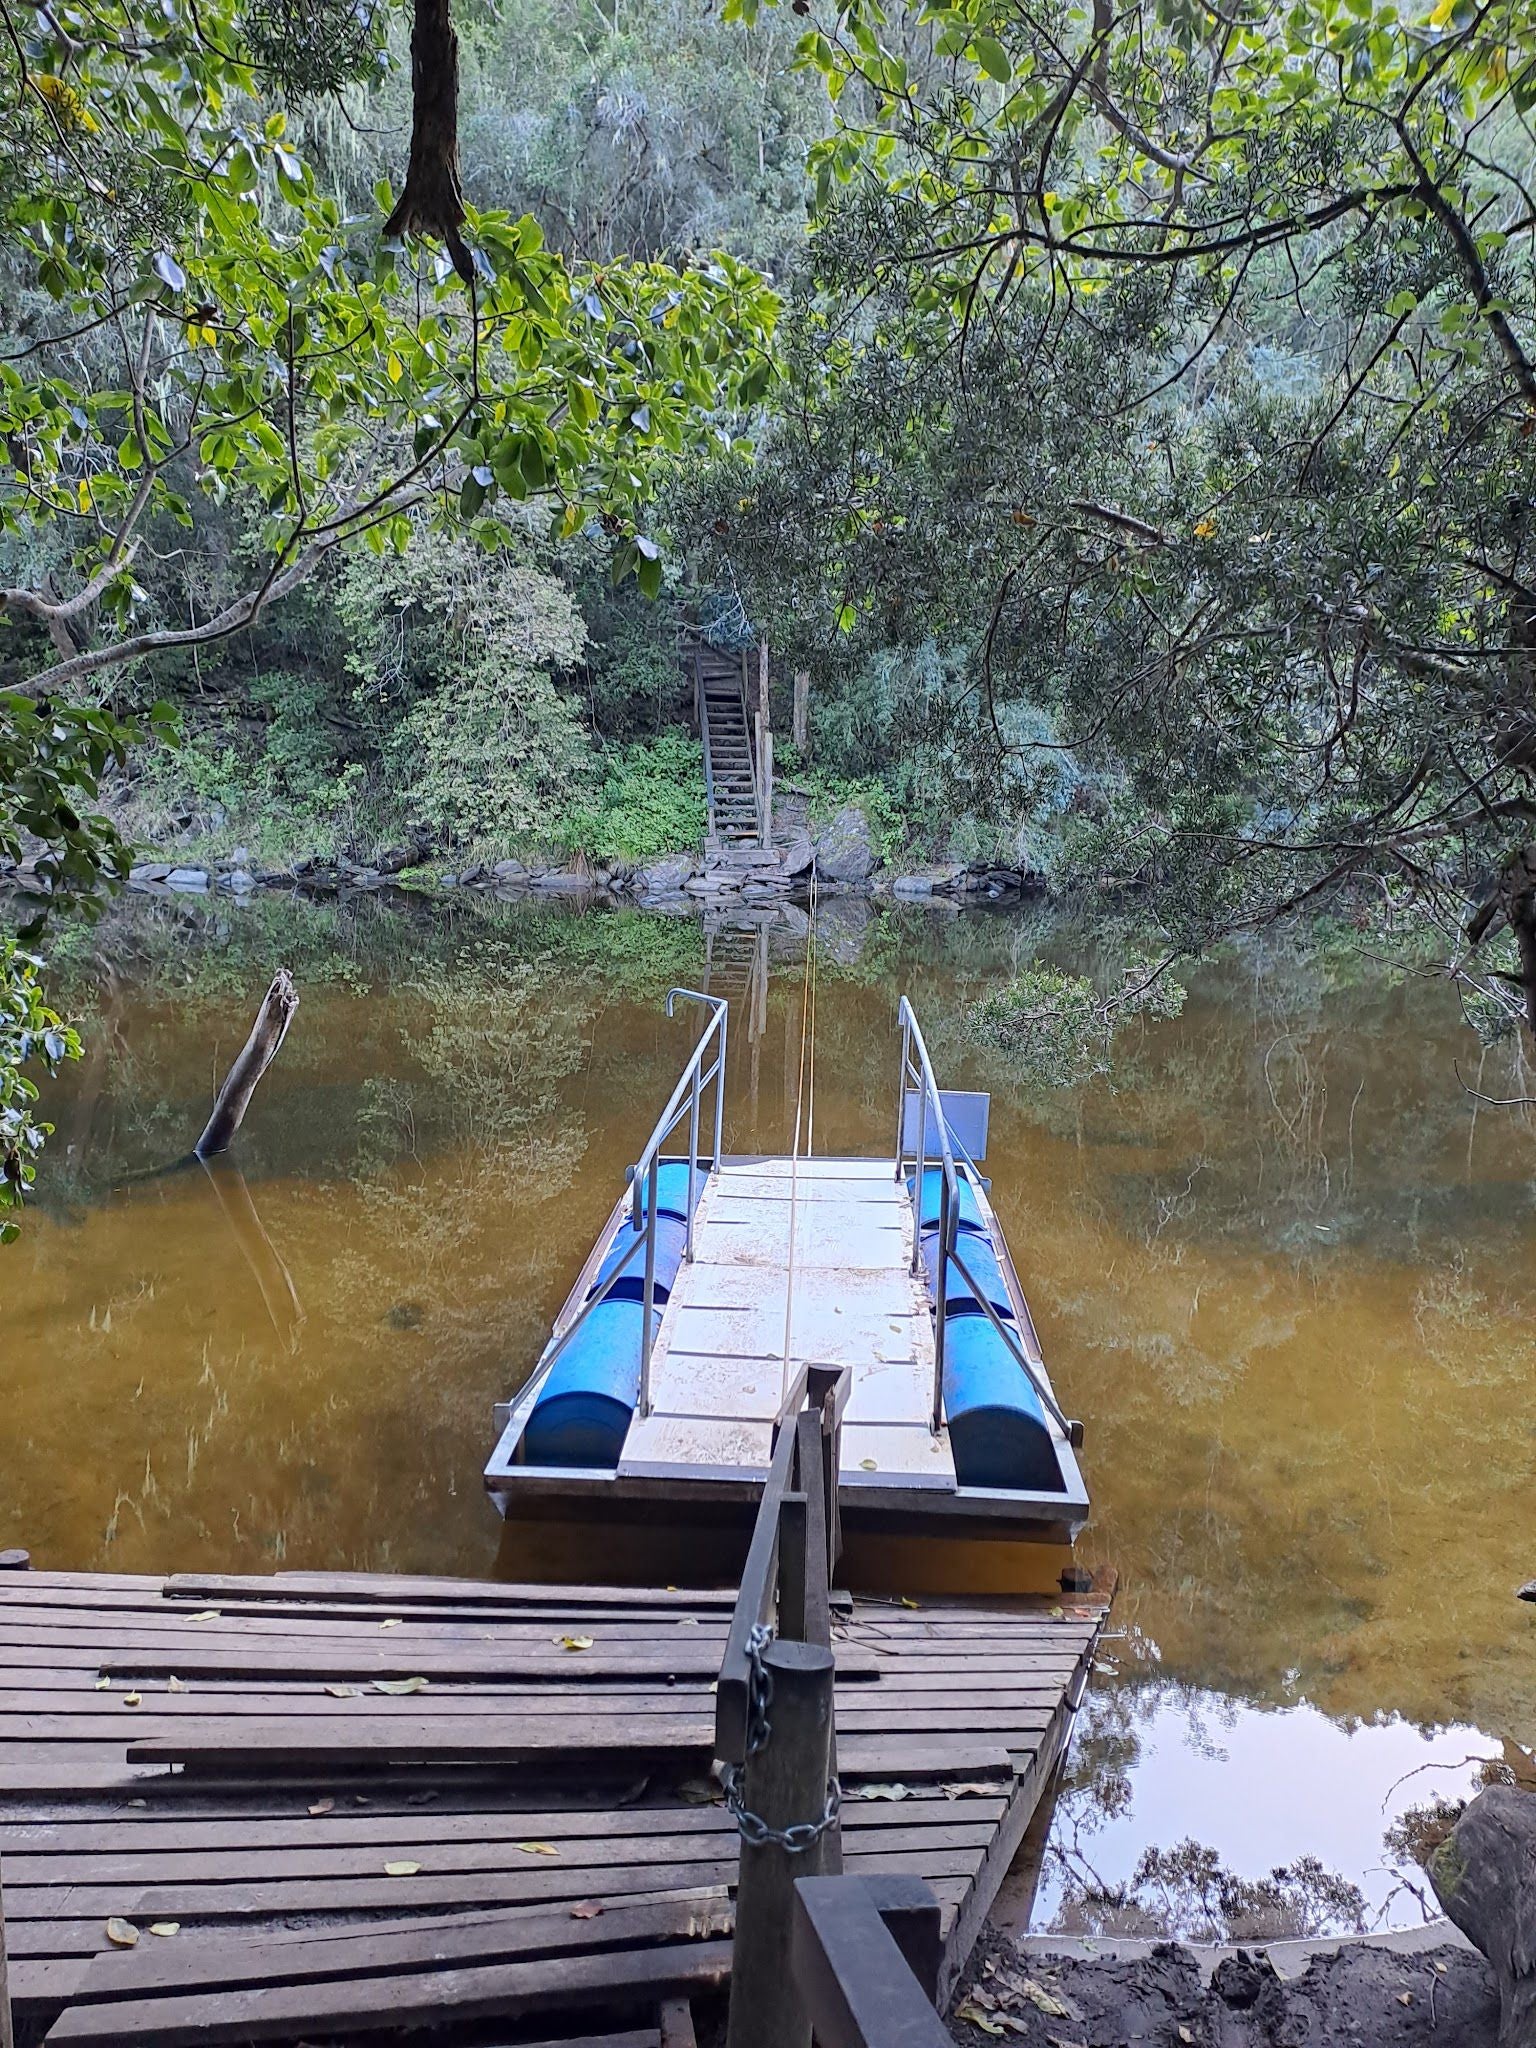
652,802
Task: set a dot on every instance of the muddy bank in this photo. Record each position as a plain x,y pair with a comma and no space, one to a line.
1380,1993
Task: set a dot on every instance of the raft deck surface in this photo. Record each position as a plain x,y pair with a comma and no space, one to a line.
795,1263
530,1834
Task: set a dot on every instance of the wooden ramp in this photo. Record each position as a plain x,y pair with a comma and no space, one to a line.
330,1805
796,1262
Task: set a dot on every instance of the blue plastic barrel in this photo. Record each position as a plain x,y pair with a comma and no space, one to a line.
583,1415
997,1427
672,1188
933,1190
625,1258
961,1295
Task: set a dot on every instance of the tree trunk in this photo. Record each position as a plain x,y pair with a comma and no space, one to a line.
1484,1875
432,202
260,1049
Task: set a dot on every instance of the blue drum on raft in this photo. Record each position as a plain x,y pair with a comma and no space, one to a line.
582,1416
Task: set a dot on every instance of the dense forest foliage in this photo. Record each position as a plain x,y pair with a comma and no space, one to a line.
1127,418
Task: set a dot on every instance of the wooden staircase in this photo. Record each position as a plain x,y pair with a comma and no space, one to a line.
730,760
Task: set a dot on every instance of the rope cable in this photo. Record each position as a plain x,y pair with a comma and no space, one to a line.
805,1111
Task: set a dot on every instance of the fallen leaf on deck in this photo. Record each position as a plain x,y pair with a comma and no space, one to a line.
138,1802
399,1685
699,1792
572,1642
323,1806
1185,2034
1058,1614
1054,2008
165,1928
361,1799
208,1614
122,1934
174,1685
587,1910
1440,1969
1405,1998
343,1692
880,1792
977,2018
978,1790
687,1621
537,1848
131,1699
103,1685
401,1869
421,1798
905,1602
868,1465
393,1622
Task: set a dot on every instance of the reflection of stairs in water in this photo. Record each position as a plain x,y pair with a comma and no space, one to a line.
731,955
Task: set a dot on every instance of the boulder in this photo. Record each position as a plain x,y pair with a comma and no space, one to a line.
240,880
510,871
798,853
563,883
666,876
912,885
188,878
476,873
842,926
149,871
843,850
1484,1874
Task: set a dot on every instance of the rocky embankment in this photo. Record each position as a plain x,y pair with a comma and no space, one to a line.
837,855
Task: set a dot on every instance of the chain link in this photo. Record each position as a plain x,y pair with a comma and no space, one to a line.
799,1835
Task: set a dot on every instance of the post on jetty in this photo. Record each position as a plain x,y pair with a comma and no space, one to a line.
774,1714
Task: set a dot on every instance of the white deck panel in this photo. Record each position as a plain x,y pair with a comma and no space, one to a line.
719,1366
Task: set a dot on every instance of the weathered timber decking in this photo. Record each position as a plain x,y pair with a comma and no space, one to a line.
256,1793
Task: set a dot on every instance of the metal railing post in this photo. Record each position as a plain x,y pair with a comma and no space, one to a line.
902,1073
919,1164
941,1303
725,1019
648,1296
693,1162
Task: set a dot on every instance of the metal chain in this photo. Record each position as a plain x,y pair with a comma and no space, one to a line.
799,1835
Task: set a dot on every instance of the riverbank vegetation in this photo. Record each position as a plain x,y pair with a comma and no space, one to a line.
1125,420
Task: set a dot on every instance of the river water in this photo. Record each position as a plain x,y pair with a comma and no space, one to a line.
1282,1262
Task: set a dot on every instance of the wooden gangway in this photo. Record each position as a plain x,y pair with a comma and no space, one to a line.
326,1804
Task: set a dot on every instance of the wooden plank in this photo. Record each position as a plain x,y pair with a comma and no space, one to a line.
490,1991
230,1865
173,1834
417,1737
219,1962
388,1587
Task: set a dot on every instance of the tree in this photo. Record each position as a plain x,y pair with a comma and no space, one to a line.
193,320
1253,292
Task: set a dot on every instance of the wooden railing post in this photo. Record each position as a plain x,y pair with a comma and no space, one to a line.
785,1783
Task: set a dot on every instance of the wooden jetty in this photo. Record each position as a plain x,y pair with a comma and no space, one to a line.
330,1806
373,1801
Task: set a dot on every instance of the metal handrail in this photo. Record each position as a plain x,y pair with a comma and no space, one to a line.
645,1176
920,1075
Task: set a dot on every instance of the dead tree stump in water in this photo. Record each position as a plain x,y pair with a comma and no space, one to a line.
1484,1874
259,1051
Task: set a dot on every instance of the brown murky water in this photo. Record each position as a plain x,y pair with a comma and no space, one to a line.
1281,1262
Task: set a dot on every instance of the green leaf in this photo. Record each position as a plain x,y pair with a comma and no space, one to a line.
993,58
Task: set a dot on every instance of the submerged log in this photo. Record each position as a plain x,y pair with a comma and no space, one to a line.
260,1049
1484,1874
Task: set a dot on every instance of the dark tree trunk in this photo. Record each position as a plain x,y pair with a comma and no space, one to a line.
432,202
260,1049
1484,1875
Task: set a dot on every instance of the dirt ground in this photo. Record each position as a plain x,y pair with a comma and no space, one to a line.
1375,1996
